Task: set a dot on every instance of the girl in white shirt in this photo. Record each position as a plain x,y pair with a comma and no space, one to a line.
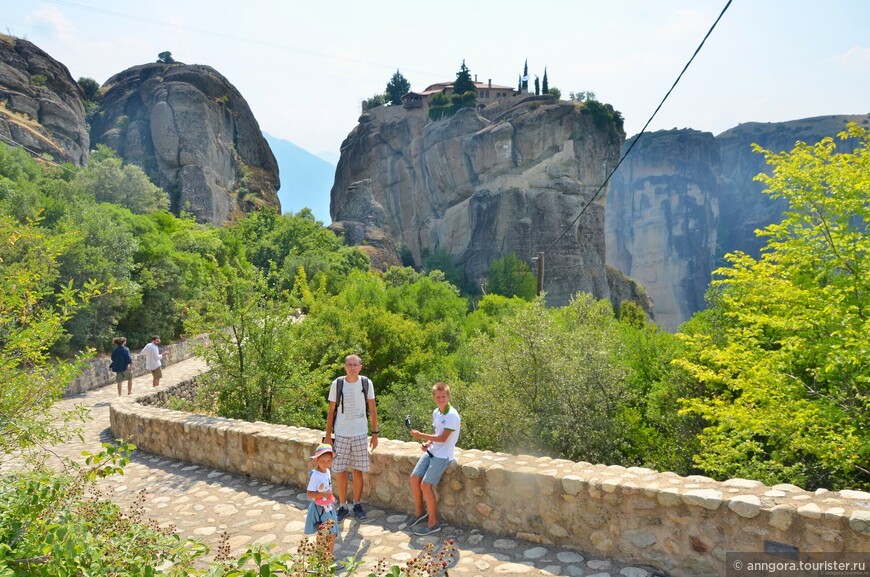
319,491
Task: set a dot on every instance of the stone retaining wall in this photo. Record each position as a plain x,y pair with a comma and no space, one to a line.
96,372
682,525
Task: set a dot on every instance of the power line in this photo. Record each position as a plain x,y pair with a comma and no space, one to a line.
637,138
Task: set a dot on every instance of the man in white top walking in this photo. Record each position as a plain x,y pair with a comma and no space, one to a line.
348,398
153,360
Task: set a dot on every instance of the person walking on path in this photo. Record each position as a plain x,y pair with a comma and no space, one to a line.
153,360
319,491
122,364
349,398
438,451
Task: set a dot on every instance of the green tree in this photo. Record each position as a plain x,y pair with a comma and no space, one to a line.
32,315
256,368
525,77
783,350
279,244
397,87
89,87
165,57
510,276
545,84
537,86
109,180
374,101
582,96
555,92
440,259
549,382
463,82
441,106
658,435
47,524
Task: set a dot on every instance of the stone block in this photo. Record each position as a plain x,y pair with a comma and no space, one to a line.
859,521
781,517
748,506
707,498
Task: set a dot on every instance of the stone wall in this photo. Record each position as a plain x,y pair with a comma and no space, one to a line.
683,525
96,372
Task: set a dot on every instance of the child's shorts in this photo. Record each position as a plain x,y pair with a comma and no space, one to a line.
317,517
430,468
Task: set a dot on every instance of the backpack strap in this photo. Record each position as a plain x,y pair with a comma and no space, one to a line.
339,396
365,392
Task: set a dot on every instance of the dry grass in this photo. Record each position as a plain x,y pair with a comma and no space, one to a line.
31,126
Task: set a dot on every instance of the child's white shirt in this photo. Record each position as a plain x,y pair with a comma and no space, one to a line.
321,482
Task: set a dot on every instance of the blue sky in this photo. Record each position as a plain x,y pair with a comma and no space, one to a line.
305,67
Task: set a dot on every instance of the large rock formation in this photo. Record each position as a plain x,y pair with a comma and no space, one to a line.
682,199
744,207
193,134
41,106
482,184
662,217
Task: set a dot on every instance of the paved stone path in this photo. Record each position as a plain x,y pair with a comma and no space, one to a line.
204,502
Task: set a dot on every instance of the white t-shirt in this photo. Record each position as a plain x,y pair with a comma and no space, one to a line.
352,422
449,420
322,483
152,356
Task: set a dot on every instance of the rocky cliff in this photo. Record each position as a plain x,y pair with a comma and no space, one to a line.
482,184
41,106
682,199
194,135
662,219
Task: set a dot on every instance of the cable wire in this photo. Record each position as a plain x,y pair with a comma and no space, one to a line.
637,138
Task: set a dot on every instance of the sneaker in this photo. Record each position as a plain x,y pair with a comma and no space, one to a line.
422,517
426,530
341,513
358,511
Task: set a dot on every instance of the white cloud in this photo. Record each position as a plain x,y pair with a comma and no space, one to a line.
56,21
856,58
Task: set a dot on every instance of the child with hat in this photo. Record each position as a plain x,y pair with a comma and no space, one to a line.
320,491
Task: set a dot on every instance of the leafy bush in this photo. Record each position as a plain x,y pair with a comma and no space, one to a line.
783,349
374,101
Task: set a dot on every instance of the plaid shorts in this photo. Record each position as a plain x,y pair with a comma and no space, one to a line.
353,452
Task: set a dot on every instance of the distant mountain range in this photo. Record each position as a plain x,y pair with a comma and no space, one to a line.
306,179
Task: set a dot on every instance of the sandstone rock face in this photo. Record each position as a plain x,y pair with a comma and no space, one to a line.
193,134
683,199
41,106
662,219
483,184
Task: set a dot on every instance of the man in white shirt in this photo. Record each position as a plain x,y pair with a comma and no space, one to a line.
348,414
153,360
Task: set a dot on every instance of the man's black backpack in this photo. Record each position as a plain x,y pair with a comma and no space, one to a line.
339,396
